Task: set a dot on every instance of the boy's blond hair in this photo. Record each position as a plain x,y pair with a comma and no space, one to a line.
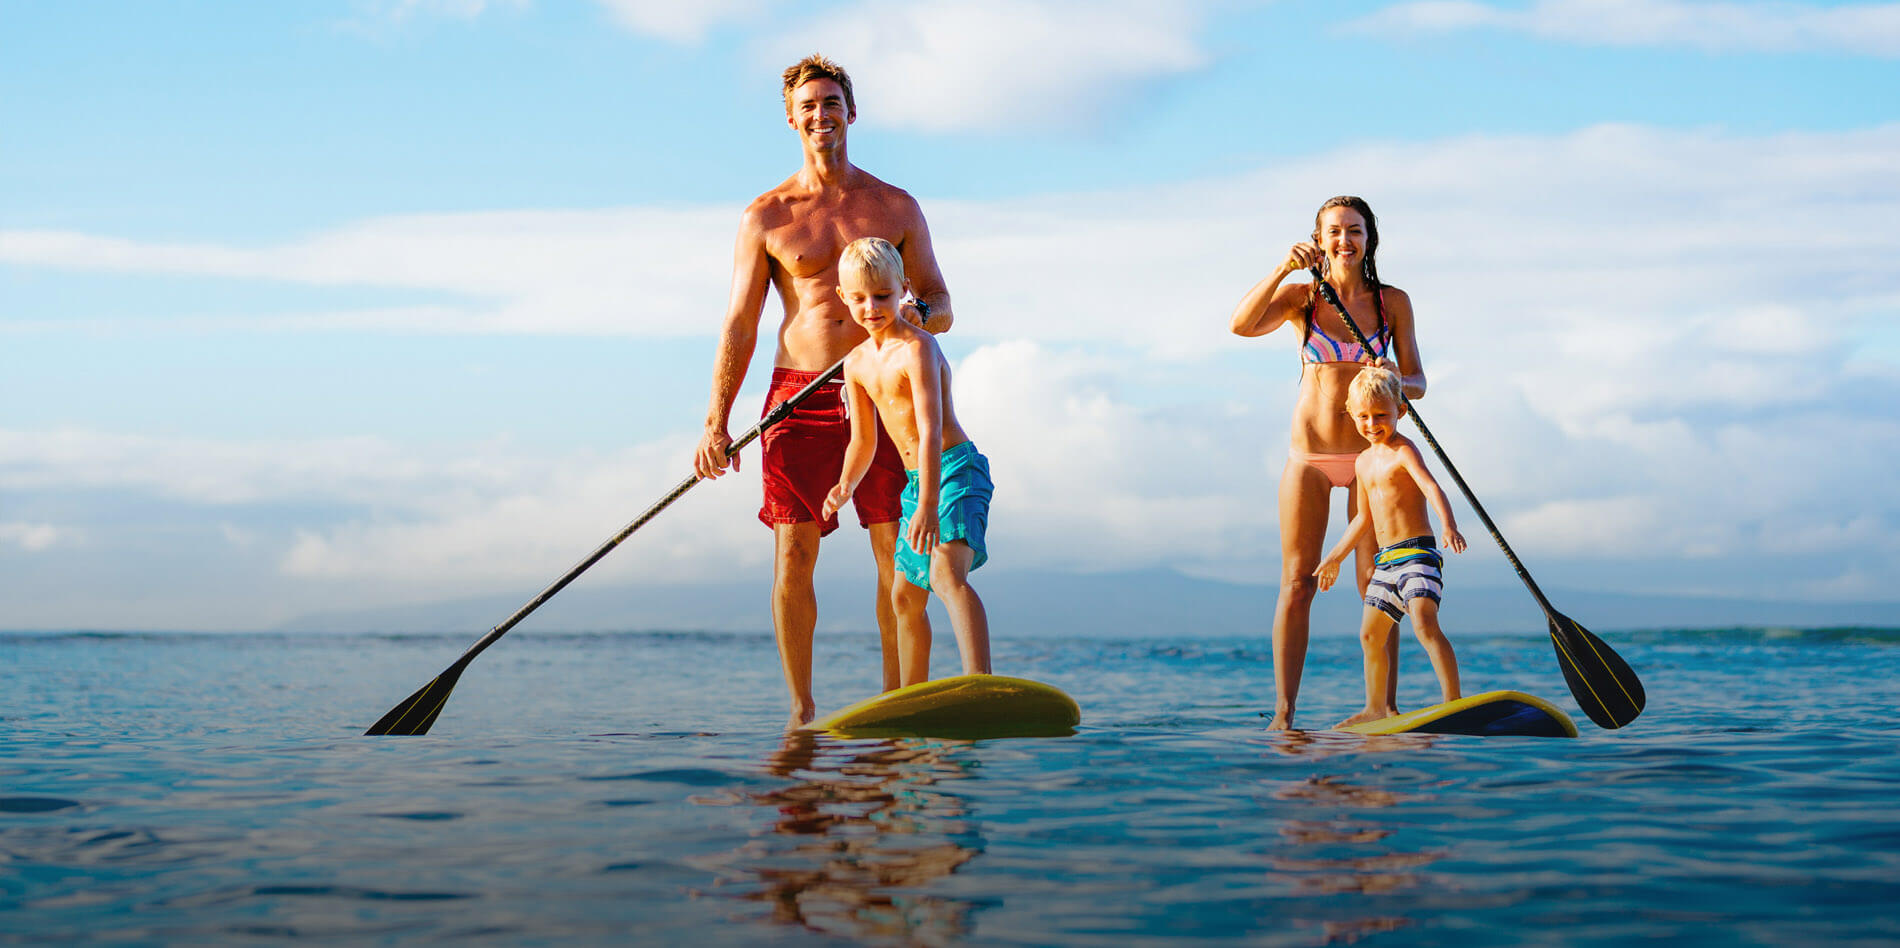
816,66
1375,382
874,259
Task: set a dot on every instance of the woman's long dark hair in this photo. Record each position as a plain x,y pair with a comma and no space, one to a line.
1369,266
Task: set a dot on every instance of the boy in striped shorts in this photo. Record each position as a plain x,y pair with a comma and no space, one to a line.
1394,489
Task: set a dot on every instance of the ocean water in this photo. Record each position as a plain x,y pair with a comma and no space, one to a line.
638,788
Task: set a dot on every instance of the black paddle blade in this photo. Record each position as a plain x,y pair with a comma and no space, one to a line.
1599,679
418,712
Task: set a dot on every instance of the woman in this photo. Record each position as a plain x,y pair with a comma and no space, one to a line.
1325,443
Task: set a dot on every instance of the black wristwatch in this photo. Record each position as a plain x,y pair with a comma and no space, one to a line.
923,309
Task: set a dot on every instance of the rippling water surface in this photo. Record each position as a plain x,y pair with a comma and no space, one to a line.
188,789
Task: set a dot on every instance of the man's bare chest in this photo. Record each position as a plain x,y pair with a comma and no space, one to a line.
809,245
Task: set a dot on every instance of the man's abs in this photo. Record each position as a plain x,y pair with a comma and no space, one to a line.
810,342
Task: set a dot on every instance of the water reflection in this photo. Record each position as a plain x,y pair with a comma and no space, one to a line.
855,838
1336,844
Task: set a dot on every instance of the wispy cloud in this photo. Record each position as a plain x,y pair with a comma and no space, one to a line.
1657,235
960,65
987,65
682,22
32,537
641,272
1642,344
212,472
1869,28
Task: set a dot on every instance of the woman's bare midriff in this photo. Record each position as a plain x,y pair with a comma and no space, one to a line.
1320,422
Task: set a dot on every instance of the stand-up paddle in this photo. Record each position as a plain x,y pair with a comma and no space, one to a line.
418,712
1600,680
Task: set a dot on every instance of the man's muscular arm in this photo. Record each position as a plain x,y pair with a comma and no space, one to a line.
920,265
751,280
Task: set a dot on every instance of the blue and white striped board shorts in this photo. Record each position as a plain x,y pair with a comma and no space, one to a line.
1402,572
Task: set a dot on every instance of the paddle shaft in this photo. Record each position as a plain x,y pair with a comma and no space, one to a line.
777,414
1326,290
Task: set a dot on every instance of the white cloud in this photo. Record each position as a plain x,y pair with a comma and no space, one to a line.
1088,478
33,537
1613,242
648,272
961,65
540,518
1866,28
681,22
216,472
439,522
1641,345
953,65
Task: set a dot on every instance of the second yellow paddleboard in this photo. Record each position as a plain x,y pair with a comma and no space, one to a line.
1488,714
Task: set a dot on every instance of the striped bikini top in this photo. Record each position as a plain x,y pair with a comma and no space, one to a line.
1320,347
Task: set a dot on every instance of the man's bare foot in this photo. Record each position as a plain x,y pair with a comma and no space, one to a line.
1369,714
803,713
1282,721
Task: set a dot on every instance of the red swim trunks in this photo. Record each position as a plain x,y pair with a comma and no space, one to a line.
804,455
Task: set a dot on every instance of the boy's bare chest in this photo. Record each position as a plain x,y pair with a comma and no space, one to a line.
889,387
1383,473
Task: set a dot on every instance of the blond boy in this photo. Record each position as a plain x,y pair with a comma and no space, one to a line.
1395,487
901,375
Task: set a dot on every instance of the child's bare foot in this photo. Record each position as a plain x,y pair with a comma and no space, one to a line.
1369,714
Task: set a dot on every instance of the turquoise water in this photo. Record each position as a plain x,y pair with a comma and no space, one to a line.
185,789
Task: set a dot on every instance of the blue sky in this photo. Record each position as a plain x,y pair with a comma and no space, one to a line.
306,305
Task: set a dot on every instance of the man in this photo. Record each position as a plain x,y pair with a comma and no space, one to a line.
789,240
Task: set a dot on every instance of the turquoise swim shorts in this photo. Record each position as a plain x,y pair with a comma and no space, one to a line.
963,510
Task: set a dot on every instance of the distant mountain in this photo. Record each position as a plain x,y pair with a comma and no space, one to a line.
1129,604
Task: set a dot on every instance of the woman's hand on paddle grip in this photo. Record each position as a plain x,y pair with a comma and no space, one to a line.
1303,256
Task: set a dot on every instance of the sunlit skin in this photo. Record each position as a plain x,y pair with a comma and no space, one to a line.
789,240
1397,487
900,374
1320,422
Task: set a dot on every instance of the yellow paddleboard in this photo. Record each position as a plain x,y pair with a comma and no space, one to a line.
970,707
1491,713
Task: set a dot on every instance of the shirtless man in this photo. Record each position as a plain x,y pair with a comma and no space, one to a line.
789,240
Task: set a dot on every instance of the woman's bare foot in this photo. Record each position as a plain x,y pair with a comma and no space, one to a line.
1369,714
